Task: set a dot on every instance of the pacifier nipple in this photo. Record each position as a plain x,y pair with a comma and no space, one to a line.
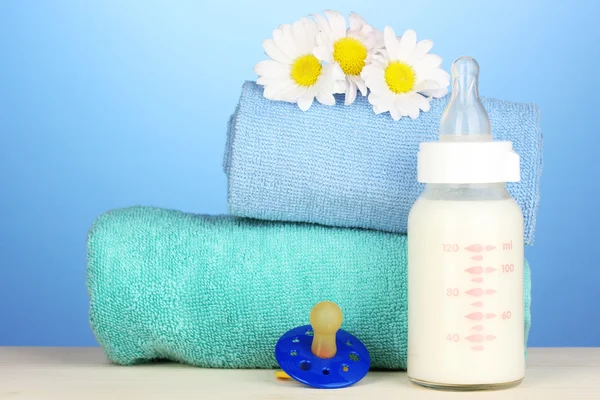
321,354
326,319
465,118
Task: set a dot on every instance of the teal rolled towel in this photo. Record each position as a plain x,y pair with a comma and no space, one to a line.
218,291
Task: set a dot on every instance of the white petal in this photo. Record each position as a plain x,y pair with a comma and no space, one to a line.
378,86
355,35
332,79
407,45
380,58
350,92
321,39
371,72
385,98
368,70
407,106
326,98
288,34
421,49
271,69
306,100
283,44
338,24
336,72
374,99
376,39
301,38
273,90
294,93
265,81
439,75
404,104
391,43
356,22
379,105
436,93
278,90
429,61
419,101
436,74
323,53
385,101
311,30
378,110
322,24
426,85
378,72
360,83
367,40
275,52
396,114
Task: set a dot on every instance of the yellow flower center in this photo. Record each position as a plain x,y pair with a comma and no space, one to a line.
399,77
306,70
350,54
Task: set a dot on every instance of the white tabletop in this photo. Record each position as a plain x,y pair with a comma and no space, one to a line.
85,374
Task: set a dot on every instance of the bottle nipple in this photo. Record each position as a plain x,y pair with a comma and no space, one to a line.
326,319
465,118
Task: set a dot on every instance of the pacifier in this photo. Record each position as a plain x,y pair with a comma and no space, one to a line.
321,354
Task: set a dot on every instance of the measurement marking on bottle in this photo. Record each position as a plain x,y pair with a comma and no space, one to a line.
508,268
452,337
476,316
450,247
475,248
478,334
476,338
479,292
475,292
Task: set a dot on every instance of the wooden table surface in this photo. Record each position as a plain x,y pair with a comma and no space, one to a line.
85,374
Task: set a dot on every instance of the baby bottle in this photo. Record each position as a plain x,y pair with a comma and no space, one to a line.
465,253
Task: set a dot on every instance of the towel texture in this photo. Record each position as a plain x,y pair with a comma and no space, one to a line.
346,166
218,291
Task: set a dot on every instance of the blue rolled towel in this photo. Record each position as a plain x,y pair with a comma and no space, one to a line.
346,166
219,291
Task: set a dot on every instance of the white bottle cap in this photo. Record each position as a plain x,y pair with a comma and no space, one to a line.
465,152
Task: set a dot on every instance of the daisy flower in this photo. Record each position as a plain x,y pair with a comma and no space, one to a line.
404,76
294,74
350,48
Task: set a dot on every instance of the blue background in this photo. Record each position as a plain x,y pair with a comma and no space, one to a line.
107,104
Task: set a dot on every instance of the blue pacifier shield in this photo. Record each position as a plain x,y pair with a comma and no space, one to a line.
350,364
